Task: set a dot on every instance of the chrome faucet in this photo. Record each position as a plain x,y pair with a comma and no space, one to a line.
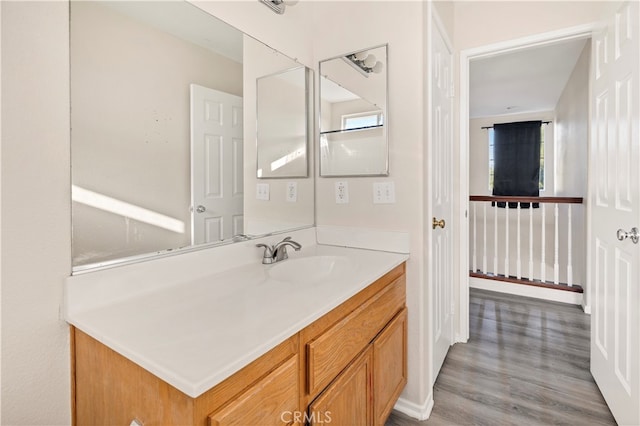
278,252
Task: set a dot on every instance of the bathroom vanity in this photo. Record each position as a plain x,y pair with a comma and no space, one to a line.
257,344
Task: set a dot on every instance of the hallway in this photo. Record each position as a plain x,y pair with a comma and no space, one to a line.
526,363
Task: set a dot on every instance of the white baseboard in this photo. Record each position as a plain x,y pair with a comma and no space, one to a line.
527,290
413,410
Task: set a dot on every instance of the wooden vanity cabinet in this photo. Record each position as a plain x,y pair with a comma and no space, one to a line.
365,392
342,345
111,390
347,367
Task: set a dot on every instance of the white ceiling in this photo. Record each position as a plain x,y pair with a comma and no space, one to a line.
523,81
187,22
333,92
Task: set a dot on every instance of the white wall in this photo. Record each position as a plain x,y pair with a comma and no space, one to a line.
262,216
347,26
572,140
479,23
36,255
572,131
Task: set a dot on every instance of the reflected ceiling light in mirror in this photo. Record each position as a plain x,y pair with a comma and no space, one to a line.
365,63
278,6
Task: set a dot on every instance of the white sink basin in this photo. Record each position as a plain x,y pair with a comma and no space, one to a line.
311,269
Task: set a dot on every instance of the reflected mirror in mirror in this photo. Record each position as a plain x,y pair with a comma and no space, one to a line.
163,98
353,114
282,137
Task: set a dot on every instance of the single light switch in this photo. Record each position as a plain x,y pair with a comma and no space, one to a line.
292,192
262,191
342,192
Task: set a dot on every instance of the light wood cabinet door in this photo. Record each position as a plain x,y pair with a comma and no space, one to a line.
329,353
273,400
347,401
389,366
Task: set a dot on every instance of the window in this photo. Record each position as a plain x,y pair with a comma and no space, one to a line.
362,120
492,159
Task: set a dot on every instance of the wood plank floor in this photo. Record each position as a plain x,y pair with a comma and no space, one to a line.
526,363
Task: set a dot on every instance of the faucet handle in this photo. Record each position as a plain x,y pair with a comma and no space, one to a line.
268,250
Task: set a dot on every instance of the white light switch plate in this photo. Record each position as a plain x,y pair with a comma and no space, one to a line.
262,191
384,193
342,192
292,192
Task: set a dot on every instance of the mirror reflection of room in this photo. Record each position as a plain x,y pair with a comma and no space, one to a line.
282,128
163,133
353,131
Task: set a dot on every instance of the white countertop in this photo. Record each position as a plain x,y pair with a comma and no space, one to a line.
196,333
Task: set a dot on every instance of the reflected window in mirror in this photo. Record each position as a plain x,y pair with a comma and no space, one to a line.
139,188
362,120
353,114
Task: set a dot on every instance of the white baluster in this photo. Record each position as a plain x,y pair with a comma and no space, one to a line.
506,240
556,265
484,239
543,243
531,242
475,247
569,247
495,238
518,262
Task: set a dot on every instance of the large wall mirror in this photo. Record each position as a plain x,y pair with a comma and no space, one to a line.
353,114
163,113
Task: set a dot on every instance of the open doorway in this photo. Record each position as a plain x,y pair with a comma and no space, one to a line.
519,100
528,141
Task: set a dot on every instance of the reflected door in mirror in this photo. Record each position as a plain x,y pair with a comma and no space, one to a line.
216,165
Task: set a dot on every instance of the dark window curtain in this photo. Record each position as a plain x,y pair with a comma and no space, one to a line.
516,153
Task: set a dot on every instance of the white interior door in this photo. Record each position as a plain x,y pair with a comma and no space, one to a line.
216,165
614,204
441,184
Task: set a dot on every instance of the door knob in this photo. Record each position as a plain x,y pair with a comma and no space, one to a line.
437,223
634,234
201,209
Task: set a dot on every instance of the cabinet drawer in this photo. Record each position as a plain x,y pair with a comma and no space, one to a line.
333,350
